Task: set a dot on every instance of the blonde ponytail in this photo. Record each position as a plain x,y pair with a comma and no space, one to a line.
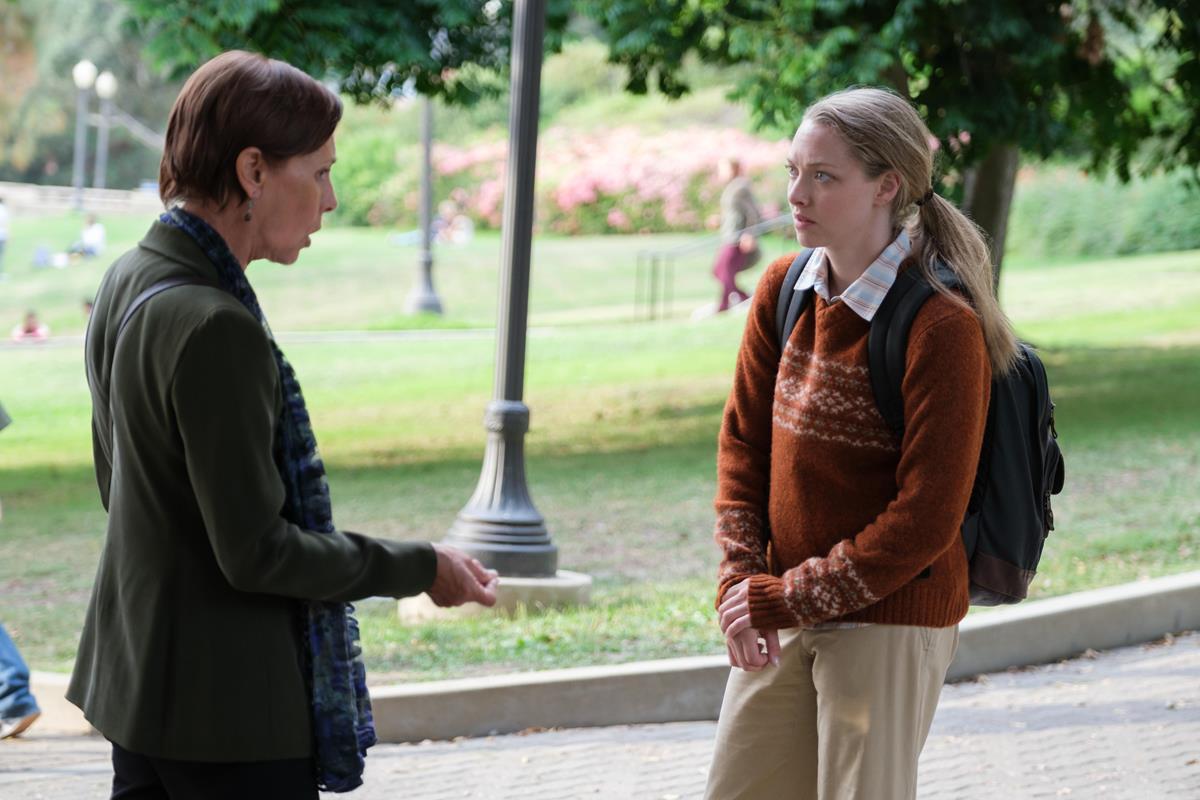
944,235
886,133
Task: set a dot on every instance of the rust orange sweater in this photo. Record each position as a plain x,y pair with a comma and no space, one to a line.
853,514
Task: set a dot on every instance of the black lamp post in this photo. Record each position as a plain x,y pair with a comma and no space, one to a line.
84,75
106,88
500,525
423,297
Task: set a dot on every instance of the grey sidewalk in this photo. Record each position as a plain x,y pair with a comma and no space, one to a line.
1124,724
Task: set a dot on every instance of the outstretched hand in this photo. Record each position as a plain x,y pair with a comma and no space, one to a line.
744,643
461,579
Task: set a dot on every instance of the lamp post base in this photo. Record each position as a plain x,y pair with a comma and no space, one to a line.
422,297
565,590
422,300
500,525
512,549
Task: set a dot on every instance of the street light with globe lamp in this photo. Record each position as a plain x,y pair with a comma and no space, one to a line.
106,88
84,75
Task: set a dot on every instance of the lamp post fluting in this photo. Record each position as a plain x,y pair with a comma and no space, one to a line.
500,525
422,297
106,88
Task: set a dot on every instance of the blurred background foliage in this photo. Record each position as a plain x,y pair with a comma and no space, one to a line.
1076,92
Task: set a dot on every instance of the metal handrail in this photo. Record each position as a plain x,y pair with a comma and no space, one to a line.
137,129
706,243
656,268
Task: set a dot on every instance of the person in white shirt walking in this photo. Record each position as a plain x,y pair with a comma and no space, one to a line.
4,217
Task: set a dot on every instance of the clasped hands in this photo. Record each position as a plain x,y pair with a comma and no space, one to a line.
741,640
461,579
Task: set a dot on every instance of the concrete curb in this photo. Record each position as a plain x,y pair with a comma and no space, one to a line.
59,716
1061,627
671,690
678,690
685,689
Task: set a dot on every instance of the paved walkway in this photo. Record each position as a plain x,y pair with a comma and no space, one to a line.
1122,724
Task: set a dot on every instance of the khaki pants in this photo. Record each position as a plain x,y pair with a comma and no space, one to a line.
843,717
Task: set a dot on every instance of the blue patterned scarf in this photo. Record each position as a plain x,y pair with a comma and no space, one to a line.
343,727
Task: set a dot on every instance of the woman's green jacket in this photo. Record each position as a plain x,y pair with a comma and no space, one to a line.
191,647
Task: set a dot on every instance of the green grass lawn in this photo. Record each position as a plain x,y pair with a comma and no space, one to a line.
622,445
354,278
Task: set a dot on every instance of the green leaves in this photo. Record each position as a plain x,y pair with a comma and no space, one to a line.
1082,78
1047,76
455,49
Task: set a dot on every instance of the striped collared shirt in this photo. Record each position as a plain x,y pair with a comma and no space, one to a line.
865,294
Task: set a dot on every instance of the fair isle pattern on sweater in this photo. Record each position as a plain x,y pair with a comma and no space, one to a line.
826,588
744,553
829,400
853,525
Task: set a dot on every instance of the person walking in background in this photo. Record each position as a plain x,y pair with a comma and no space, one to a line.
841,543
18,708
219,654
4,223
738,251
5,421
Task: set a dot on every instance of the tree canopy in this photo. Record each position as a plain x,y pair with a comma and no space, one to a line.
453,49
1114,83
1105,80
40,41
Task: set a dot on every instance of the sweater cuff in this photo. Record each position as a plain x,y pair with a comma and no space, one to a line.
768,609
726,584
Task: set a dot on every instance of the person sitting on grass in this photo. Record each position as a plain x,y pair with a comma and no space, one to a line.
31,330
92,239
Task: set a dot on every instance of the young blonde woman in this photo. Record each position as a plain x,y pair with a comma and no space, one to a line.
841,540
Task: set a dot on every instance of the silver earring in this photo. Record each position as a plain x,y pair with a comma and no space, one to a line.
249,209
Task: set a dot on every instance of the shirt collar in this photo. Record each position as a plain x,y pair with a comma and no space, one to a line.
865,295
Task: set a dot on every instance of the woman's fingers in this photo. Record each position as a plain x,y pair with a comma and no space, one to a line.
745,645
734,661
772,639
738,593
746,656
736,624
730,615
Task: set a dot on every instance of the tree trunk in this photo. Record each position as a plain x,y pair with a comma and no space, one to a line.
987,197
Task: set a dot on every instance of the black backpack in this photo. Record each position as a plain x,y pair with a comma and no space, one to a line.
1020,464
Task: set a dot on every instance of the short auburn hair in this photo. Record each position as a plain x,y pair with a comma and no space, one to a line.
234,101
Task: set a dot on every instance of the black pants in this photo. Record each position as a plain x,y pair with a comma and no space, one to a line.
137,777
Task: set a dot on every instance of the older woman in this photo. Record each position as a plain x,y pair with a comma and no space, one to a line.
219,654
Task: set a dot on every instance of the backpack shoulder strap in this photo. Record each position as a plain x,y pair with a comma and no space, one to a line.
140,300
887,344
791,303
93,378
134,305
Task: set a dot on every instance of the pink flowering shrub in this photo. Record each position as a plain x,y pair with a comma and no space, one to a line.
620,180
